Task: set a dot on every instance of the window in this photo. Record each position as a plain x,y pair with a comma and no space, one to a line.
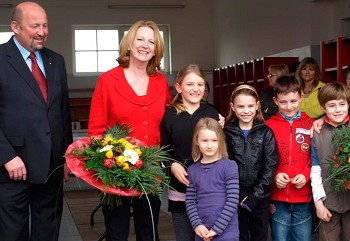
5,34
96,48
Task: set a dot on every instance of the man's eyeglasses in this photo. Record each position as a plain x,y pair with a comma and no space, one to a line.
270,75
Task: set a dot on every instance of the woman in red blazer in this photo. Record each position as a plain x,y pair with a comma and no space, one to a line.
134,93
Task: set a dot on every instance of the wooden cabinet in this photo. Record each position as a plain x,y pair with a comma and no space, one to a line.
253,72
80,110
335,57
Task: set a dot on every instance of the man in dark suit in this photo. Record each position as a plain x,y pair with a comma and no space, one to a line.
35,130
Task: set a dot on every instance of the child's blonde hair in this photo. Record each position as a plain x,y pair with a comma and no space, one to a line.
212,125
243,90
177,102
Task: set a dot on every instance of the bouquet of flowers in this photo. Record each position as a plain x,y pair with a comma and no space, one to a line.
118,164
339,165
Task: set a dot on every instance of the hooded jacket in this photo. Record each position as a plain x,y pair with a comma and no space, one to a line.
293,143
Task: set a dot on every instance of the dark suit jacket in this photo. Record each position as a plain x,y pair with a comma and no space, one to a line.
29,128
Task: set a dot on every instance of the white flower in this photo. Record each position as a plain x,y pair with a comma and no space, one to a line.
131,156
106,148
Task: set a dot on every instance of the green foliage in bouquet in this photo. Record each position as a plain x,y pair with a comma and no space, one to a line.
123,162
339,165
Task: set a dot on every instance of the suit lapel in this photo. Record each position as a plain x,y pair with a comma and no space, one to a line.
16,60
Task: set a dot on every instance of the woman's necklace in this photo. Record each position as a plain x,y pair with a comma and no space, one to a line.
308,90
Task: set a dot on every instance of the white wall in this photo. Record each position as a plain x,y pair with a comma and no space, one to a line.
252,29
191,28
210,33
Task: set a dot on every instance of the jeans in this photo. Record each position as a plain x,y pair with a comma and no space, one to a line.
182,226
291,221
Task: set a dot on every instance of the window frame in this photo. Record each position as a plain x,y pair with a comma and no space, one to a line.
122,28
6,28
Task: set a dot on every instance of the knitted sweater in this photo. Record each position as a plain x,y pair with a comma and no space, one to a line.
212,197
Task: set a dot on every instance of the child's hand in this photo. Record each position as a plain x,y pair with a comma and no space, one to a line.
281,180
317,126
322,212
299,181
180,173
201,231
210,235
242,202
221,121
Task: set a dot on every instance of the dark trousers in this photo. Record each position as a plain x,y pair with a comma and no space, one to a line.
253,225
117,219
44,202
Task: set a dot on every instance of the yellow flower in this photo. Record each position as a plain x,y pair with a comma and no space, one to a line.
138,151
129,146
121,160
122,141
107,140
109,154
126,166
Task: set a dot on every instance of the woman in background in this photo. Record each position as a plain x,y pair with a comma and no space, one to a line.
268,106
309,76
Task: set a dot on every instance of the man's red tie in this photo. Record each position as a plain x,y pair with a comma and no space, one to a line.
39,76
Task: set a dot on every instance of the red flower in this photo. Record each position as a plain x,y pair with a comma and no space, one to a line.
347,184
336,162
118,150
138,164
108,162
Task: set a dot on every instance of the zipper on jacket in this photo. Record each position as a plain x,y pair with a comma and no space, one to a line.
290,156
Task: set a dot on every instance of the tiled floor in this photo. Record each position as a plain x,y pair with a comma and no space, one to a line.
69,230
70,226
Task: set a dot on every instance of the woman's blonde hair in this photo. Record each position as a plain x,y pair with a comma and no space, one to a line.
243,90
177,102
212,125
318,75
127,41
279,69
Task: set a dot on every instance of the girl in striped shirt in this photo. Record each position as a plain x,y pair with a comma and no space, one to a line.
213,191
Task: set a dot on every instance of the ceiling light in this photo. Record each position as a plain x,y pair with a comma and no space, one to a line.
117,6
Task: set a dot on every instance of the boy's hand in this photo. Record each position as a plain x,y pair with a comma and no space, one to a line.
180,173
299,181
322,212
281,180
317,126
201,231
